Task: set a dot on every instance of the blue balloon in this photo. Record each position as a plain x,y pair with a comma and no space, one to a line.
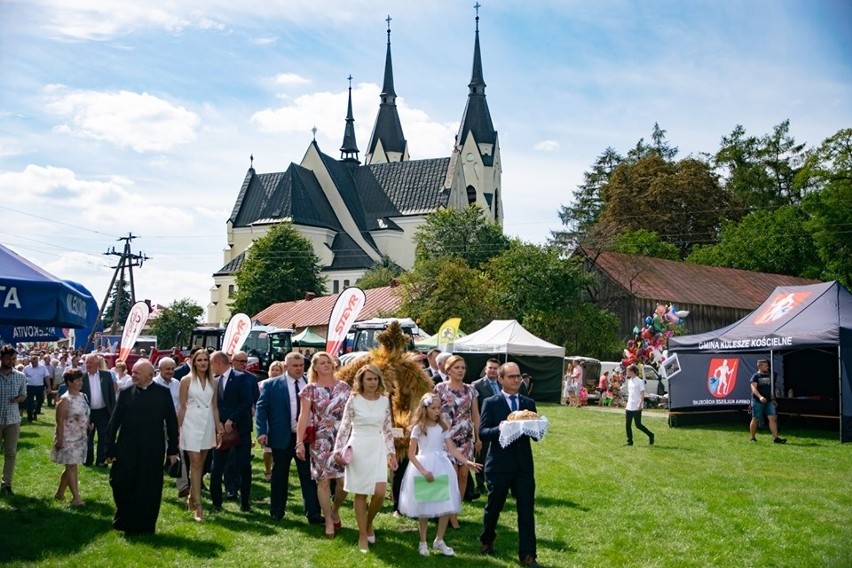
648,320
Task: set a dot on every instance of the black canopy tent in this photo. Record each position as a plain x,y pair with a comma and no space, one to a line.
805,329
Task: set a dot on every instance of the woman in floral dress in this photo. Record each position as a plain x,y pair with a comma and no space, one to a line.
323,401
460,411
70,441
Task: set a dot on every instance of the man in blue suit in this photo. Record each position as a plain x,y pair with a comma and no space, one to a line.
509,468
277,412
235,401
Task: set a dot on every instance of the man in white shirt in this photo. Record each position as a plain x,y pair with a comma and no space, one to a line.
38,378
635,403
100,392
165,377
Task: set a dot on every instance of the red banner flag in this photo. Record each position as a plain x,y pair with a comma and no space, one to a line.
346,310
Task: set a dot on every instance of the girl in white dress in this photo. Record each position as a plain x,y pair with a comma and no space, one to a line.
198,419
427,456
366,430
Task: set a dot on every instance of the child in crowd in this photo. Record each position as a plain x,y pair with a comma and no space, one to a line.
430,466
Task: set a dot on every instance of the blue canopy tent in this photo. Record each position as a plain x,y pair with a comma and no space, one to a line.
34,333
806,333
31,296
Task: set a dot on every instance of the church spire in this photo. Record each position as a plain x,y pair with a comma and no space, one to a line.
387,143
477,117
349,149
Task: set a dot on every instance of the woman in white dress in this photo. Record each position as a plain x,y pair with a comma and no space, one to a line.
366,431
198,419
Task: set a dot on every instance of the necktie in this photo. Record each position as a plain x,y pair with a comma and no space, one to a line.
298,402
221,385
514,399
494,388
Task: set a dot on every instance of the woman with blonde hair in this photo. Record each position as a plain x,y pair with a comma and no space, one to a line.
323,401
198,420
364,444
460,410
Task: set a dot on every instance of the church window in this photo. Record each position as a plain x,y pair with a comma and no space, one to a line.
471,195
336,287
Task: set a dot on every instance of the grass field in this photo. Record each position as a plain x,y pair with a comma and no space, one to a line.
701,497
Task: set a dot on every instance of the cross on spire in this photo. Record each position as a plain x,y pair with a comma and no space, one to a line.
314,130
477,6
350,81
388,20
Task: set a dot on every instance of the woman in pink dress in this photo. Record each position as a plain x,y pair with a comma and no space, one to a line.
323,401
460,411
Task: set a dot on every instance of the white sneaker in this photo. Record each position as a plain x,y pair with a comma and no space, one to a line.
442,546
424,549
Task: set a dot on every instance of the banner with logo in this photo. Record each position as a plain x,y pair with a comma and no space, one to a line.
448,333
346,310
236,334
709,380
136,320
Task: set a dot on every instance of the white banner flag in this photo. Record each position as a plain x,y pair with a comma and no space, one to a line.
346,310
236,334
136,320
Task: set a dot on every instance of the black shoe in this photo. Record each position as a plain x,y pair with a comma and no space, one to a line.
6,490
245,508
629,444
232,496
276,516
316,520
780,440
217,508
101,464
753,440
487,549
529,561
651,439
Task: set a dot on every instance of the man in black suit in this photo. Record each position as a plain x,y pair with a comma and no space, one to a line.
100,393
486,387
235,402
509,468
239,361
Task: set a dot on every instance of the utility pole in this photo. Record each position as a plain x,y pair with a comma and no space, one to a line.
127,261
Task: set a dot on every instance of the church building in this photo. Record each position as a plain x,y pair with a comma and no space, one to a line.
353,212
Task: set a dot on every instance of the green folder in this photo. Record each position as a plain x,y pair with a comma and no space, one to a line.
438,490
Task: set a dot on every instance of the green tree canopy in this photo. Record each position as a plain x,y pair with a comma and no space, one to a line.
112,318
461,233
775,241
380,274
680,201
441,288
645,243
173,327
279,267
826,178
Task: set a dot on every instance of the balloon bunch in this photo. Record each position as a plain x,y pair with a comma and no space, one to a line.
650,342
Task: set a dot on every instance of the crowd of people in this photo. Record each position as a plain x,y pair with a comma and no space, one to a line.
197,420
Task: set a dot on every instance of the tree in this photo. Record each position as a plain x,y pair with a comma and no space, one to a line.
441,288
585,211
545,292
380,274
461,233
775,241
645,243
681,201
759,171
826,180
174,325
120,295
279,267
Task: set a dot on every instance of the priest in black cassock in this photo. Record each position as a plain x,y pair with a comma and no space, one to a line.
143,429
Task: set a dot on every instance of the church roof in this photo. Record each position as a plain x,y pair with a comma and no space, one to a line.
477,117
388,128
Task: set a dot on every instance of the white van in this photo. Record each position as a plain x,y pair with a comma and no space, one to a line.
654,383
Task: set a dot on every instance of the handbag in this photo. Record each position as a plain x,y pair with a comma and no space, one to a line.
310,434
346,455
228,440
172,469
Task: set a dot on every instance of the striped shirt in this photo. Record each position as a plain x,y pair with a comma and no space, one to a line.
11,386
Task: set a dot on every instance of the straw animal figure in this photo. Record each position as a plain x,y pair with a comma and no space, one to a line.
405,379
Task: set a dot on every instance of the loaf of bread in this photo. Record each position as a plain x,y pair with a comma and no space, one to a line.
523,415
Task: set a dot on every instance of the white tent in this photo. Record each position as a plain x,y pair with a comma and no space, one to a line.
506,336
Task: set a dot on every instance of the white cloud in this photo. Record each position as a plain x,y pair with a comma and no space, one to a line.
547,146
290,79
143,122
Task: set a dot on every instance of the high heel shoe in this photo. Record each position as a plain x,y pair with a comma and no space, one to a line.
199,514
190,503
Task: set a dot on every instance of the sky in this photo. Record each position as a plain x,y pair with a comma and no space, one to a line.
139,116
